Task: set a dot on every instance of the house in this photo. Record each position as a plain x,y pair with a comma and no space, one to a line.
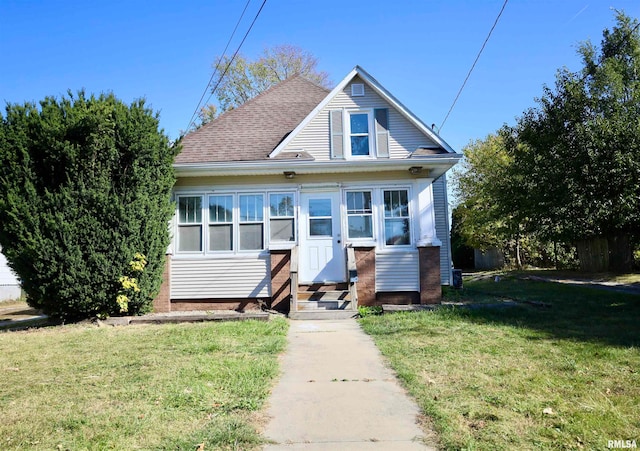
304,199
9,284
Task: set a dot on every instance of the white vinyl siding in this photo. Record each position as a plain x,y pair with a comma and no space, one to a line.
397,271
9,284
403,136
220,278
441,212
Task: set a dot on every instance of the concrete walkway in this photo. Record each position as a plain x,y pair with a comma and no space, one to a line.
335,393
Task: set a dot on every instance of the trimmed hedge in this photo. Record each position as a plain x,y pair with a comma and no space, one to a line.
85,187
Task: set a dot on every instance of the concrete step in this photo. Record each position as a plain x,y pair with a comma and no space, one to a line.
333,295
322,314
323,305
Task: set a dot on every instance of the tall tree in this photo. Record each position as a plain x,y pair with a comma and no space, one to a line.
578,151
85,188
490,196
245,79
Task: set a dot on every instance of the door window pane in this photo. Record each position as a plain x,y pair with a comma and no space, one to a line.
320,222
320,227
319,207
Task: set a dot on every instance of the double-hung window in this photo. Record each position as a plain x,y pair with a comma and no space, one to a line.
359,127
221,222
396,217
251,222
190,223
359,214
281,217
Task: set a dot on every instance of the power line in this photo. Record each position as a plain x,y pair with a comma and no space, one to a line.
215,70
473,65
236,52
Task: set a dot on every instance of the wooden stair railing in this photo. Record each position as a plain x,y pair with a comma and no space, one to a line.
293,275
352,277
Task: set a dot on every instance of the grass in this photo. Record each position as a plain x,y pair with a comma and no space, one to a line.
565,377
137,387
626,278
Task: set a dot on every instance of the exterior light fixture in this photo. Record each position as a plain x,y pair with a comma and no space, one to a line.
415,170
289,174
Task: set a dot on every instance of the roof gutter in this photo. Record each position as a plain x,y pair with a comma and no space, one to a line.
437,164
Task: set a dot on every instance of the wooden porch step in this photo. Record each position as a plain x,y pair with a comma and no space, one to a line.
323,287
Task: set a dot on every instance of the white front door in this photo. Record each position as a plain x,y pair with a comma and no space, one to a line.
322,256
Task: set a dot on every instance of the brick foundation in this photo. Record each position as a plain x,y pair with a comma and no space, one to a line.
366,266
240,305
162,302
430,285
280,280
398,297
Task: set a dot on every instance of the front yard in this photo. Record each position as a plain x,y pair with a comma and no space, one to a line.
560,377
138,387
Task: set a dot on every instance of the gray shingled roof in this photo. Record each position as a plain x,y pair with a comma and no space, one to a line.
254,129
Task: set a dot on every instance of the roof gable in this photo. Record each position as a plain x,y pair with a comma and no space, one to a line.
382,92
254,129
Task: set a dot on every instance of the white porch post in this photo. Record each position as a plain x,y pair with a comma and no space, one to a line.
426,215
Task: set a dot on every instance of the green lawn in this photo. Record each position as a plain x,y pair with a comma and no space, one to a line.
564,377
138,387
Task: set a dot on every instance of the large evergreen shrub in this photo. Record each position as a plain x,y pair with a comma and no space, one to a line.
84,195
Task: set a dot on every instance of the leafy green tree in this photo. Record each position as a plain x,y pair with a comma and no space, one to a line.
246,79
85,188
577,153
490,197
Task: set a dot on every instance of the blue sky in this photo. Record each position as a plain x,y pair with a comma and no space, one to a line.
419,50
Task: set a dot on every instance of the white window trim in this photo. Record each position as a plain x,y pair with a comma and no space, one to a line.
235,252
412,219
282,244
347,133
179,224
360,240
377,206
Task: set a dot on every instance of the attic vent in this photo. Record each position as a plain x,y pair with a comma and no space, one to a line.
357,89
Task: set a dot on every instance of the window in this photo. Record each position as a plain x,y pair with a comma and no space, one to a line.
281,217
396,218
359,214
251,222
190,223
221,223
359,134
320,222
